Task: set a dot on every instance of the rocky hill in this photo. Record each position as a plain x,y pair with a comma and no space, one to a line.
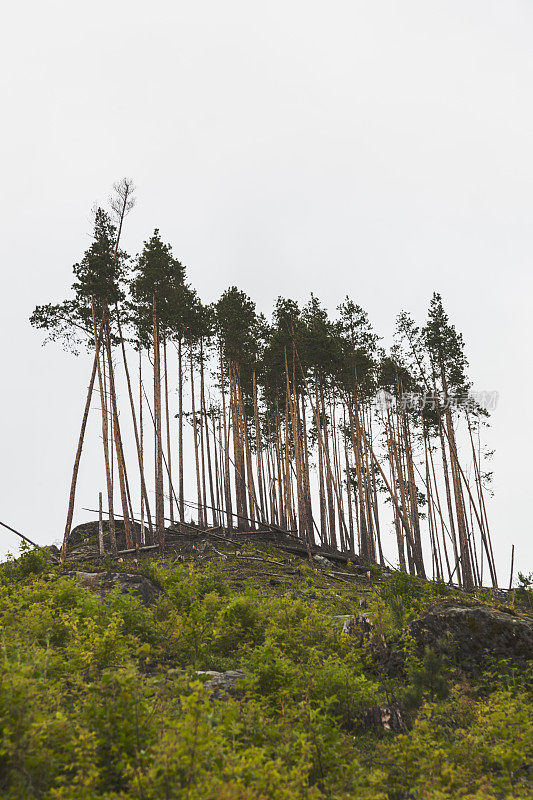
246,666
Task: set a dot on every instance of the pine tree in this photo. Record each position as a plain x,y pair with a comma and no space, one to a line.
161,302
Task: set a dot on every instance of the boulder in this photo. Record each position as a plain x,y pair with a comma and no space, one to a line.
83,553
105,582
470,633
223,682
53,551
322,561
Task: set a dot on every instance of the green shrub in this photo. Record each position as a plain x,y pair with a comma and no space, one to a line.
428,679
96,699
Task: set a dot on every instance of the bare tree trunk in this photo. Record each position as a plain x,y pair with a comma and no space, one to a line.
466,567
259,449
365,549
141,441
159,491
180,431
321,490
169,450
250,485
287,471
307,482
484,528
218,469
144,493
201,521
70,512
394,483
329,492
100,526
279,471
105,440
227,480
121,466
202,437
205,417
437,497
449,501
348,485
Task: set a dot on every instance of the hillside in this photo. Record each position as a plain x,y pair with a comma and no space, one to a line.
244,667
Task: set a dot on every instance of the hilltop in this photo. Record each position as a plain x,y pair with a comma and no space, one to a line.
246,666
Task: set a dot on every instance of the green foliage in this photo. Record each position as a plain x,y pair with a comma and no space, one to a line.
99,278
99,698
405,595
459,749
524,590
427,680
32,561
158,276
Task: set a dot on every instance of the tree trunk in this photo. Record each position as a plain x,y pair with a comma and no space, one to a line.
169,449
72,495
201,521
159,491
121,466
180,432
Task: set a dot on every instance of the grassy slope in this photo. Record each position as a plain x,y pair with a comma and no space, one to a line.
100,698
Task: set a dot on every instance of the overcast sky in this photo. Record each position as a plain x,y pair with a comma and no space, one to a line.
378,149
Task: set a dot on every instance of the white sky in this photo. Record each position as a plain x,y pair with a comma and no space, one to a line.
378,149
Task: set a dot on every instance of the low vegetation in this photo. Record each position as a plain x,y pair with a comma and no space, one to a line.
105,697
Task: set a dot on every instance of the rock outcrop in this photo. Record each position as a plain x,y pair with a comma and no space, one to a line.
105,582
470,633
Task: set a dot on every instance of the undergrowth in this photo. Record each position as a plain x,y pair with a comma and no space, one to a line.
101,698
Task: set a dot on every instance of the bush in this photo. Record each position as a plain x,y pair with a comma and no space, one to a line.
97,703
32,561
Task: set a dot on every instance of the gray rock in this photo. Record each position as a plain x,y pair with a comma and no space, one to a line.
322,561
104,582
469,633
53,551
83,553
223,682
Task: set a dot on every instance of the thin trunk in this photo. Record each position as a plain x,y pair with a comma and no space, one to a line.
72,495
180,431
258,449
121,466
159,491
167,419
141,441
144,493
439,507
105,439
202,437
214,505
250,484
227,480
201,521
321,489
329,491
394,483
100,526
